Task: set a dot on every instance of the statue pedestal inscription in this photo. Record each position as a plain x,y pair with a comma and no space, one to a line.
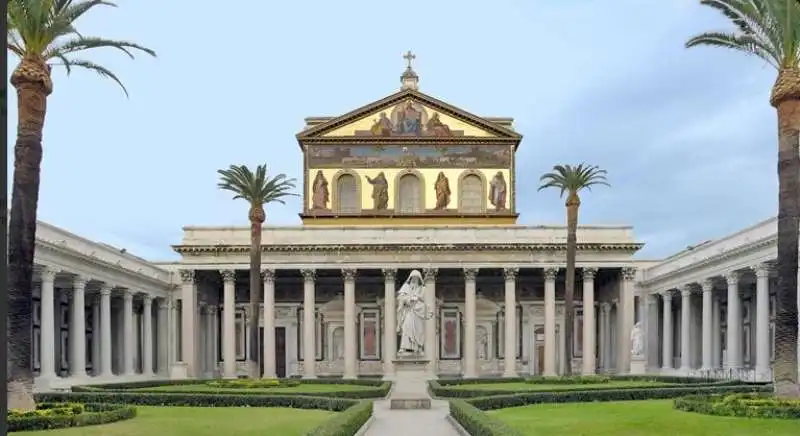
410,389
638,365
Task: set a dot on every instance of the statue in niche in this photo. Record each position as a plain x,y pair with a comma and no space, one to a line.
380,191
320,193
637,340
338,343
482,343
497,191
442,187
411,315
383,126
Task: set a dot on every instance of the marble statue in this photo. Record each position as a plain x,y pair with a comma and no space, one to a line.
411,315
482,343
380,191
637,340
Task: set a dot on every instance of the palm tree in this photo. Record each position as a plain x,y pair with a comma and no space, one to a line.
770,30
257,189
42,34
571,180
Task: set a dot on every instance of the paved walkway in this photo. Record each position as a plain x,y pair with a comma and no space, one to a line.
431,422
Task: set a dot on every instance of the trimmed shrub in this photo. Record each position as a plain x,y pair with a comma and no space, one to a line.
477,423
514,400
346,423
748,405
52,415
379,388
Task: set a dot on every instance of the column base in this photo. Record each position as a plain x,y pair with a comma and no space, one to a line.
309,377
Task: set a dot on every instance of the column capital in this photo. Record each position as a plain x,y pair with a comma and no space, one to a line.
309,274
147,299
762,270
349,274
732,277
628,273
163,304
589,273
389,274
127,295
470,274
605,307
550,273
268,275
707,285
686,291
430,274
49,274
105,289
666,295
228,275
79,282
511,273
187,276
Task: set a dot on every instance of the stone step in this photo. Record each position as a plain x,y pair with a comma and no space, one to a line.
409,403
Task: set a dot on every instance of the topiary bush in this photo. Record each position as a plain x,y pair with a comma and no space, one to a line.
477,423
746,405
346,423
52,415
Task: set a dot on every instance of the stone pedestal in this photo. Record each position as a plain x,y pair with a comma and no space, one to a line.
638,365
410,389
179,371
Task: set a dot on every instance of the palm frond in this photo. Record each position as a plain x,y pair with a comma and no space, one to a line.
568,178
257,187
99,69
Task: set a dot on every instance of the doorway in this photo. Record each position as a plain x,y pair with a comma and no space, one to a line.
280,351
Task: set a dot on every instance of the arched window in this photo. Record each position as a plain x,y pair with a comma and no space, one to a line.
347,194
409,195
471,194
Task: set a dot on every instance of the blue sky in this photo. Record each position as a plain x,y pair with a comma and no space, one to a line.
687,136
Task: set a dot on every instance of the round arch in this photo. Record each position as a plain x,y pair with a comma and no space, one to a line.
335,191
422,187
484,197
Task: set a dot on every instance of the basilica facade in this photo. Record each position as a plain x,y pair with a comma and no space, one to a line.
405,183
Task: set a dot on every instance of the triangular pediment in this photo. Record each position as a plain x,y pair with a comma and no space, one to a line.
409,114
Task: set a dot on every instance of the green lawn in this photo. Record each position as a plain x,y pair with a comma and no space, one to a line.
303,387
204,421
521,386
634,418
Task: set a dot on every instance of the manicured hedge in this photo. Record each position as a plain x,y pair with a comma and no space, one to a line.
758,405
52,415
346,423
379,388
443,388
477,423
513,400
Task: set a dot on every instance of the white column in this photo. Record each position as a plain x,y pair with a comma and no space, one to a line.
309,324
734,327
389,323
470,356
625,317
127,327
431,346
162,367
686,324
550,322
708,321
510,366
228,324
172,321
215,335
715,333
48,335
666,331
105,331
78,329
147,341
96,329
762,321
350,362
269,324
589,331
606,307
188,318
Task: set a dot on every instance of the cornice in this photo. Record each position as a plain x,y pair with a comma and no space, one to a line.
198,250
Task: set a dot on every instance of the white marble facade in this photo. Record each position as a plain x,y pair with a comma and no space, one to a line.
351,285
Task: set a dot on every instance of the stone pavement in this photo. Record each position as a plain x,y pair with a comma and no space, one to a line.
414,422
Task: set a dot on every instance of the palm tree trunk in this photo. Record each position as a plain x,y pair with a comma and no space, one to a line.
573,202
32,107
785,372
255,296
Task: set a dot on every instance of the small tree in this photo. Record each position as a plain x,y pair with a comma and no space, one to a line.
571,180
258,189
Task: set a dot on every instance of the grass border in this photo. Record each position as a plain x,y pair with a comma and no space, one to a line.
93,414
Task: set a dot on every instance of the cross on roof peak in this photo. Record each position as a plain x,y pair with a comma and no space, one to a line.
409,57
